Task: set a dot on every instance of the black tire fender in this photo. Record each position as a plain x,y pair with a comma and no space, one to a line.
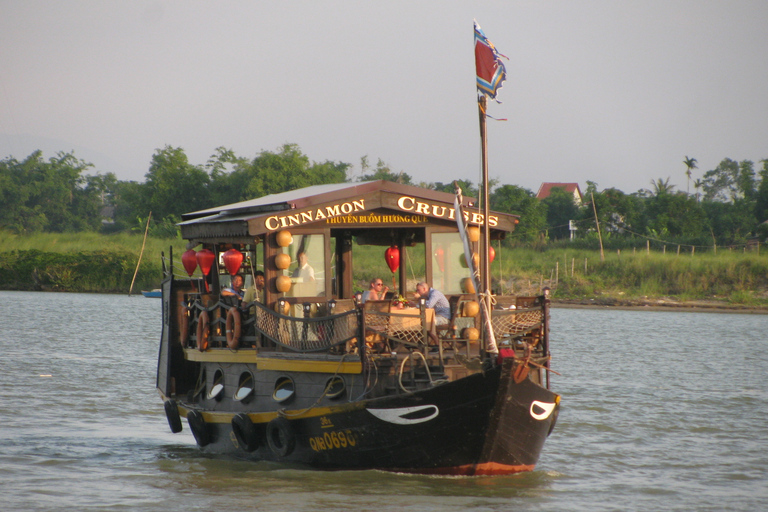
280,437
198,427
172,413
245,432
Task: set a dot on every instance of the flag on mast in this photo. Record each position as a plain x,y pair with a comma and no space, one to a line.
491,72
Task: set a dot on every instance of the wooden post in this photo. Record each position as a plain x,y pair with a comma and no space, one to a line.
597,223
146,230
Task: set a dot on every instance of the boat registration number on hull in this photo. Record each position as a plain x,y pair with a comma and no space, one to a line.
333,440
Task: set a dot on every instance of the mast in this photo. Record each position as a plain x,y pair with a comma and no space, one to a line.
490,74
485,270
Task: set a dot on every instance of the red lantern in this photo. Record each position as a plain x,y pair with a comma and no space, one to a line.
232,261
392,255
205,260
491,254
189,260
440,257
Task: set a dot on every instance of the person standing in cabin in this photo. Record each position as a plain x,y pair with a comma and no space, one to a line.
256,291
235,289
304,270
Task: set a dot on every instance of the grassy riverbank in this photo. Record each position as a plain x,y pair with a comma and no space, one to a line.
89,262
81,262
633,278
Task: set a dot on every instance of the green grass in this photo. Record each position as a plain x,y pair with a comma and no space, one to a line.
733,277
94,262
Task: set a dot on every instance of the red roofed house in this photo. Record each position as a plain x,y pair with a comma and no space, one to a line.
573,188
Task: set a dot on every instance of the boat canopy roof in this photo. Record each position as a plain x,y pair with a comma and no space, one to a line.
359,204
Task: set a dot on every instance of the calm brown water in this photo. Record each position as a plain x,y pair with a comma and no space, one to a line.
661,411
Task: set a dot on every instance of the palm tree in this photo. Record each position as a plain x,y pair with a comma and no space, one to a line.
697,185
690,163
661,187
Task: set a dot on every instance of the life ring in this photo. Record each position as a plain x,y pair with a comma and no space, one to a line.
245,432
184,325
203,331
233,328
172,413
280,437
198,427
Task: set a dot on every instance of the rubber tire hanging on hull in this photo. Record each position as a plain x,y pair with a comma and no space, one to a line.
245,432
280,437
198,427
172,413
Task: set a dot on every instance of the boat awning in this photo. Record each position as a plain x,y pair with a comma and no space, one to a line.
362,203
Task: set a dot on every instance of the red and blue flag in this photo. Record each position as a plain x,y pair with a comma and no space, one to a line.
491,72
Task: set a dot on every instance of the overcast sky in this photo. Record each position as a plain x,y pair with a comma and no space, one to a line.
613,92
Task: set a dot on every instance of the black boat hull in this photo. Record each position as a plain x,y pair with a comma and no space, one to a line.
483,424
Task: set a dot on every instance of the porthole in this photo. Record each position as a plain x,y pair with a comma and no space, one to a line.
335,387
218,385
245,387
284,389
200,387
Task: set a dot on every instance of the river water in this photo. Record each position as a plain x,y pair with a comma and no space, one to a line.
660,411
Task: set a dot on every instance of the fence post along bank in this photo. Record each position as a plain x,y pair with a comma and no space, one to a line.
302,370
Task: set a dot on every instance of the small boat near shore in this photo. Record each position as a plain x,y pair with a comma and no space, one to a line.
153,294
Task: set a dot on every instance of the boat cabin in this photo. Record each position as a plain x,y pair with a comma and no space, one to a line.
327,242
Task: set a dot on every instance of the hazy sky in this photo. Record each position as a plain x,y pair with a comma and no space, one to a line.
616,92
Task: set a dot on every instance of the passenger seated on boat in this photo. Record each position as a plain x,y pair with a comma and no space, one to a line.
376,290
235,289
255,293
436,300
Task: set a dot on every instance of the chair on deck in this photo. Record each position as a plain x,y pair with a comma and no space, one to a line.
376,320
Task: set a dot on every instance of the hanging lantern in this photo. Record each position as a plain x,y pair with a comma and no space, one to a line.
189,260
392,255
491,254
473,233
471,334
440,258
467,285
283,283
471,308
282,261
284,238
205,260
232,261
475,261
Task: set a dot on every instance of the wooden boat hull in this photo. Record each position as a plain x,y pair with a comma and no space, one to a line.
483,424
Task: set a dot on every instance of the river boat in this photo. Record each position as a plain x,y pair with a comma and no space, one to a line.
306,371
152,294
309,374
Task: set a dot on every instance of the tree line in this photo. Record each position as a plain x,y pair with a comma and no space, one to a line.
728,207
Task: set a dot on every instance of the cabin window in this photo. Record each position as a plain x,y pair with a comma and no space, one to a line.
448,265
307,269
